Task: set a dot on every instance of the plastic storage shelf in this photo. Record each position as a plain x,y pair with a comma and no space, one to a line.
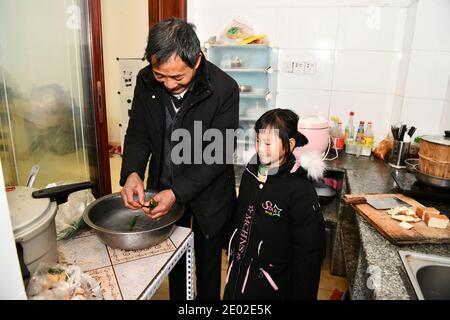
251,67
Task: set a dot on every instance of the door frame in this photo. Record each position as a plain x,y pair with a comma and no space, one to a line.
98,87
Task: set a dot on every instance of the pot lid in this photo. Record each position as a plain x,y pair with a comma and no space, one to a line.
437,139
28,213
309,121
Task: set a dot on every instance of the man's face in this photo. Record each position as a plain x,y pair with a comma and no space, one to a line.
174,74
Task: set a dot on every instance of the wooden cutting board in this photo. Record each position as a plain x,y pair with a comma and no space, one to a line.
390,229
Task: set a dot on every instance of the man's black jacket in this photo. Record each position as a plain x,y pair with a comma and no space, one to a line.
214,100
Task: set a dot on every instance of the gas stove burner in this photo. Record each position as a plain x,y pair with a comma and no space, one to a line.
410,186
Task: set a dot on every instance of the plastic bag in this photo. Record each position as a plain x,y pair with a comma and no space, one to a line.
62,282
383,148
69,217
235,32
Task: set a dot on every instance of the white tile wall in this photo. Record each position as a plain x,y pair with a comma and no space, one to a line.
397,108
445,120
304,100
428,74
324,60
202,4
432,25
373,57
310,28
408,38
371,28
367,107
424,114
233,4
366,71
403,68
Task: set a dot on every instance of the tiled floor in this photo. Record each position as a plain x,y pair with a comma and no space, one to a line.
328,282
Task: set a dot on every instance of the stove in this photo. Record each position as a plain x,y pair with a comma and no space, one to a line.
411,187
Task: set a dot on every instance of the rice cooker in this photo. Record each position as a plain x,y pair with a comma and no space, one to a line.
316,129
32,214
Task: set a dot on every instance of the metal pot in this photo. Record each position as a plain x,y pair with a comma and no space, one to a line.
33,220
432,181
111,222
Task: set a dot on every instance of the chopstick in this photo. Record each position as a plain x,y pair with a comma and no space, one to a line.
398,132
411,131
394,132
402,132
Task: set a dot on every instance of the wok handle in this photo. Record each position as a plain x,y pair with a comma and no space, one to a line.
60,193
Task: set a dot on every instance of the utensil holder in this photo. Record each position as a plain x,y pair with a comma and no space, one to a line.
399,152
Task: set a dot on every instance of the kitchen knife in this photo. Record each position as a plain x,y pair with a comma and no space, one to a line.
386,203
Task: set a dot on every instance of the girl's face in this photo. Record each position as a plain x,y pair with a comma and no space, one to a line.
269,147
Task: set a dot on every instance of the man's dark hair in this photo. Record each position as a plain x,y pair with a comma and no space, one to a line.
171,36
285,121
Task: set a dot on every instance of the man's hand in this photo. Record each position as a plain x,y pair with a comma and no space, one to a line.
165,199
133,185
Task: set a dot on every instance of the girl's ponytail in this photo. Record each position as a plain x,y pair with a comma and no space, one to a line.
300,139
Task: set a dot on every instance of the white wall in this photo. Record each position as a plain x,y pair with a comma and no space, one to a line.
361,52
11,284
124,31
426,92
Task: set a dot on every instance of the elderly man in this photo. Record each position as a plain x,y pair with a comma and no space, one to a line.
180,89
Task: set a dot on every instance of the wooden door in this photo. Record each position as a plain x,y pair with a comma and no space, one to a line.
161,9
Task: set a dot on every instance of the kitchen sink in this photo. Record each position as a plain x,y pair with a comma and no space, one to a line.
429,274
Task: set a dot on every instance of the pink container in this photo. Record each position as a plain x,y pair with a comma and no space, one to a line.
316,129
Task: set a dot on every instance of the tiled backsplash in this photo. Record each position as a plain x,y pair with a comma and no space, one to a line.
386,61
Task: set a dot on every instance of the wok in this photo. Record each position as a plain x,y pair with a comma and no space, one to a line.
111,222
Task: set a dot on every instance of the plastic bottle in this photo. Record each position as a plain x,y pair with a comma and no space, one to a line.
368,135
339,138
360,133
350,128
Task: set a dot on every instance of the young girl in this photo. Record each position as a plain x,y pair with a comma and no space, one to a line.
277,246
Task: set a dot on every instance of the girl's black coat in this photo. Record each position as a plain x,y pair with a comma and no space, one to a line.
280,232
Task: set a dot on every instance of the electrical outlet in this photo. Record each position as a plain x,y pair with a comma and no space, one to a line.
310,67
287,66
299,67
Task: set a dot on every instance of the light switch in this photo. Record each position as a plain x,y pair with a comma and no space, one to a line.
299,67
310,68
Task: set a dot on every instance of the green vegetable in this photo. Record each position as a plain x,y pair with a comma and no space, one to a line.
55,271
418,139
132,222
233,30
153,203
